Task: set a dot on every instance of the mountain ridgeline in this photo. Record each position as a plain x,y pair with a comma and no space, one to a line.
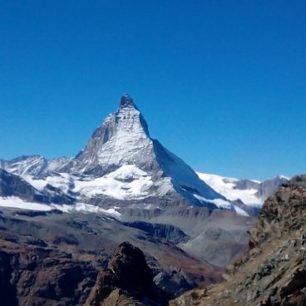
121,163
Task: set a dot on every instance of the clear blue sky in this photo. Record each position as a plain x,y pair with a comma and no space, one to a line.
222,83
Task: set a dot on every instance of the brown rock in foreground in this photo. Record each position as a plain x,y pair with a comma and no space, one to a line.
37,275
127,280
273,272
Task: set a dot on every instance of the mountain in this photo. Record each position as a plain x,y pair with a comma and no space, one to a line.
124,173
69,214
34,165
14,189
249,192
122,149
273,270
121,163
13,185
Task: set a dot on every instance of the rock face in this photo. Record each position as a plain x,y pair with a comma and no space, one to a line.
127,280
273,270
36,275
268,187
122,139
8,295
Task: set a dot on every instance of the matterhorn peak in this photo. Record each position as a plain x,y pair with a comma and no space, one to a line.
122,139
122,163
122,148
127,101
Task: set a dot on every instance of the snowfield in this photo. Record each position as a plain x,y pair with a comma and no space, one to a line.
227,187
127,182
15,202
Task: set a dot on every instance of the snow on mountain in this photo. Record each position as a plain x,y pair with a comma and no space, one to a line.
249,192
125,183
123,143
62,181
228,187
121,162
122,139
16,202
34,165
26,165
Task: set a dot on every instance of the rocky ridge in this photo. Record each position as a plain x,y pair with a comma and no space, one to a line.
273,270
127,280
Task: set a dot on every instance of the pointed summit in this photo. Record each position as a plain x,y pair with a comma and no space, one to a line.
123,138
121,148
127,101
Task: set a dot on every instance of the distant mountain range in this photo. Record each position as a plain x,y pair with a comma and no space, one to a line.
249,192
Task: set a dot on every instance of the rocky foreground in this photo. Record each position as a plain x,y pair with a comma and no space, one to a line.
273,272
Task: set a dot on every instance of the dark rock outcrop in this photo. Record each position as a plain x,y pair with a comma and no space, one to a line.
127,280
8,294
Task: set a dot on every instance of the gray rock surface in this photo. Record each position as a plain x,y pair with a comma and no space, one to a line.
273,271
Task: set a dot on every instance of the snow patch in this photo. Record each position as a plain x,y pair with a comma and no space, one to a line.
15,202
240,211
226,187
220,203
127,182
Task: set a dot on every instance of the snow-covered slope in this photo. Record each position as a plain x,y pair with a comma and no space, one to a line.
34,165
249,192
123,144
122,139
122,164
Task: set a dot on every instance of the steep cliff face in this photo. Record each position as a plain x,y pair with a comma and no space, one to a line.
273,272
122,139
